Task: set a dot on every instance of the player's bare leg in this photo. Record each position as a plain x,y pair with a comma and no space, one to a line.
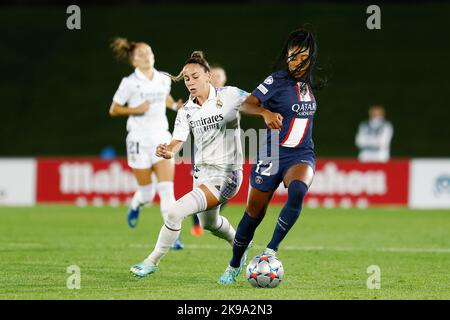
257,203
144,194
302,172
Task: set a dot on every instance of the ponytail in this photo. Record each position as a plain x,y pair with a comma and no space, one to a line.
196,57
122,48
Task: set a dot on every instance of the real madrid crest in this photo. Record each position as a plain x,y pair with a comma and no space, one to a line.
219,104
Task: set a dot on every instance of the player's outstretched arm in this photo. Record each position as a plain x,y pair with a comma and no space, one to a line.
253,107
172,105
117,110
168,151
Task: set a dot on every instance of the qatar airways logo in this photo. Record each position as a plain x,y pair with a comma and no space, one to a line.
82,178
304,108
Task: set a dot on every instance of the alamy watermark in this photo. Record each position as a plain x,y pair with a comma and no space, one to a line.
245,142
73,22
74,280
374,280
374,20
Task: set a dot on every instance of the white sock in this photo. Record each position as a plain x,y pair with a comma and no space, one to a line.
143,195
166,196
136,201
190,203
225,230
166,239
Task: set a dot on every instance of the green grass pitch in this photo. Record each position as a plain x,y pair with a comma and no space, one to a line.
325,256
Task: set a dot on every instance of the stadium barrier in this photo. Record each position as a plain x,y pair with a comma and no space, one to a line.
418,183
17,181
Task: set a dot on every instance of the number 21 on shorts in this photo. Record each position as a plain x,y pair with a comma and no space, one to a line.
133,147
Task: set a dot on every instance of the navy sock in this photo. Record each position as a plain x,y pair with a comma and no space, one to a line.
244,234
290,212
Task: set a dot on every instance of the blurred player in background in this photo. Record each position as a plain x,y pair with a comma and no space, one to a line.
218,76
286,102
374,136
212,114
218,80
143,97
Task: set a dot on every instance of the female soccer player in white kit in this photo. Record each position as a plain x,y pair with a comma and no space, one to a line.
213,116
218,79
146,92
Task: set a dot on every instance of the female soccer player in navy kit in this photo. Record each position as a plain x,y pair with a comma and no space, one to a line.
286,103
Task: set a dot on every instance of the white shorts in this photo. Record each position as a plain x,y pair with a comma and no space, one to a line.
223,185
141,148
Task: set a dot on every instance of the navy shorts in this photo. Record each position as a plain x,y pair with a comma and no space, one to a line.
268,172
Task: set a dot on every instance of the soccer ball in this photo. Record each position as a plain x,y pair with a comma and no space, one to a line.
265,271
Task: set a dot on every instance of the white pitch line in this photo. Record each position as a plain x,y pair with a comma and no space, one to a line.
316,248
21,245
34,245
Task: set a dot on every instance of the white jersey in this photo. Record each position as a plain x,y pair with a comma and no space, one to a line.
373,140
215,127
134,90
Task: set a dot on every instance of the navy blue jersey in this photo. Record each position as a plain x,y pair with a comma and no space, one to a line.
296,103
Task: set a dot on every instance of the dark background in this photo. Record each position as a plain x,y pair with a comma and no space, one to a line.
57,84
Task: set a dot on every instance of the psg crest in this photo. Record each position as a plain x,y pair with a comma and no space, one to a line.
303,90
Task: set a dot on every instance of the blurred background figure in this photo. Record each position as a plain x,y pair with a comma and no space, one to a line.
218,79
143,98
218,76
108,153
374,136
